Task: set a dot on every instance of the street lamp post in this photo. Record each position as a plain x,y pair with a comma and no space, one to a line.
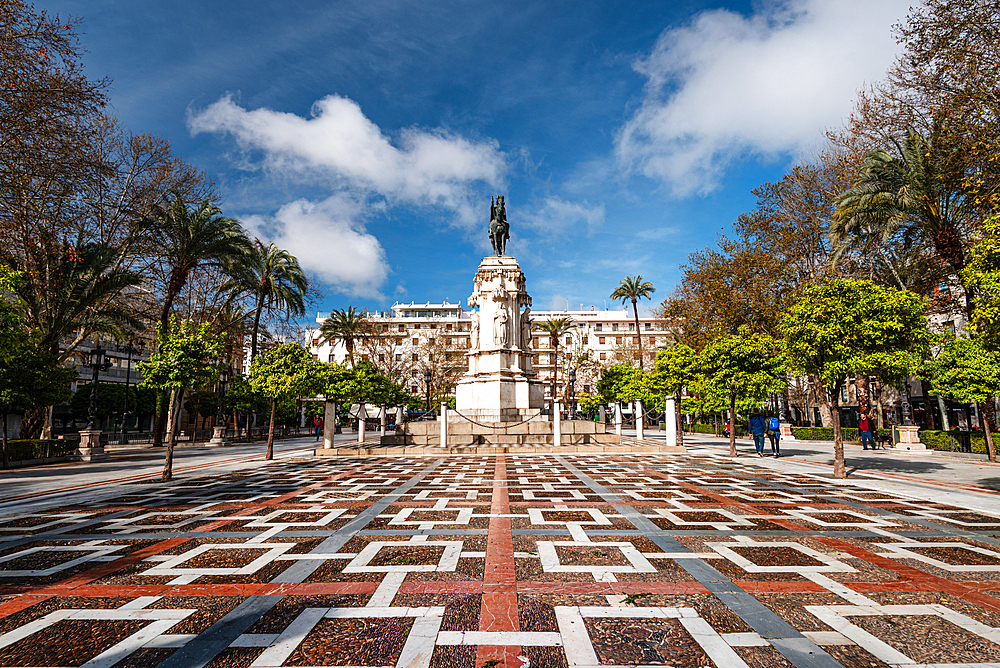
572,393
130,348
427,387
98,363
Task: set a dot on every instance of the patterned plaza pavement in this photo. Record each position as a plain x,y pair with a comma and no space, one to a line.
520,561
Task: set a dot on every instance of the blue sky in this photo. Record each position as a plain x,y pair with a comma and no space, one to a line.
367,137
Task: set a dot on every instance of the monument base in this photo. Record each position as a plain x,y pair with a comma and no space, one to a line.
218,437
538,432
90,448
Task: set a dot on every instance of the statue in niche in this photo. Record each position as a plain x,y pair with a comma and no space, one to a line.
501,329
526,328
499,230
474,336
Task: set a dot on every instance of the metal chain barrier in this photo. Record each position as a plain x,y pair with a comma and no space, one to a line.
491,426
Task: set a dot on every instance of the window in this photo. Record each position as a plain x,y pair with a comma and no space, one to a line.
569,340
381,357
399,358
415,358
652,340
431,340
585,340
433,325
614,327
315,342
586,389
449,327
416,326
537,343
332,358
402,328
618,340
631,327
399,340
315,358
413,389
416,342
649,326
597,327
604,356
601,340
385,328
635,340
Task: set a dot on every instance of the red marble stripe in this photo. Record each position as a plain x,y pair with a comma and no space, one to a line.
499,607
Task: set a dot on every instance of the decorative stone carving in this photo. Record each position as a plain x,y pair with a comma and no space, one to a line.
474,337
526,329
501,330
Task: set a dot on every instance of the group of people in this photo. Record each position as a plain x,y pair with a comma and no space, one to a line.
761,426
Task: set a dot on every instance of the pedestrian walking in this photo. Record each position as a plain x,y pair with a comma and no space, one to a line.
865,427
318,422
757,428
774,435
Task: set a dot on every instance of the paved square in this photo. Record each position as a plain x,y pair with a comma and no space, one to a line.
520,561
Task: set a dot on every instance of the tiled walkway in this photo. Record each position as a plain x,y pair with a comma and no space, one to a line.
517,561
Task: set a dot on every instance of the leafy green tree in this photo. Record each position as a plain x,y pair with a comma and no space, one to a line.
185,358
30,376
348,326
273,280
111,398
836,329
624,383
589,403
283,373
633,288
982,274
964,369
675,370
556,328
740,370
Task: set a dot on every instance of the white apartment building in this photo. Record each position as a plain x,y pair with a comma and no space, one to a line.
407,327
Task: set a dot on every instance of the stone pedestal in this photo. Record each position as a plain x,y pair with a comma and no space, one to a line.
500,385
218,437
786,432
909,438
90,449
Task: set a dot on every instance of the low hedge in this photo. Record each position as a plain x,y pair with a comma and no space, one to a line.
710,429
939,440
25,449
849,434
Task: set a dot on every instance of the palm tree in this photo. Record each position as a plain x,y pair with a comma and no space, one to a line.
347,326
633,289
273,279
912,194
189,238
186,239
555,328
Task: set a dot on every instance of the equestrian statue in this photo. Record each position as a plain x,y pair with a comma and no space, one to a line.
499,230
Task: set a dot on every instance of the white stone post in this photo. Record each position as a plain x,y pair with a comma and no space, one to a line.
639,426
556,424
329,423
361,423
618,418
670,422
444,424
384,418
400,416
604,414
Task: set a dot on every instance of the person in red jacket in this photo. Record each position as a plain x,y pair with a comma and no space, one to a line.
318,422
865,428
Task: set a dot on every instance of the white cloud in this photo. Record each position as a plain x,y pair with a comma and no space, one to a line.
556,216
329,239
339,143
727,86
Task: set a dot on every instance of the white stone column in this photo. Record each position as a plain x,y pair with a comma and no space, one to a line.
639,426
618,418
604,414
361,423
444,424
556,424
670,422
384,418
329,423
400,416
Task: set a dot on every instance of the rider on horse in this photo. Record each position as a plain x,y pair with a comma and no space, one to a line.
499,231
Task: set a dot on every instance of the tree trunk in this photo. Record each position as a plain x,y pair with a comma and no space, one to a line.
988,430
47,423
839,470
4,426
732,425
270,431
256,329
168,462
677,418
861,384
31,423
944,413
928,412
819,392
638,334
988,411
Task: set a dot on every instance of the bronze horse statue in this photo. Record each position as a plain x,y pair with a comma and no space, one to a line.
499,230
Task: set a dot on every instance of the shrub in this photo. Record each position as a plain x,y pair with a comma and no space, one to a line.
850,435
938,440
25,449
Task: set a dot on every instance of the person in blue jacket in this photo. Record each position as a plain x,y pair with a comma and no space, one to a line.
758,427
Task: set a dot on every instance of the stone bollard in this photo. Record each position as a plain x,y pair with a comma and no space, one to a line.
670,423
618,418
639,426
329,423
361,423
444,424
384,418
556,424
